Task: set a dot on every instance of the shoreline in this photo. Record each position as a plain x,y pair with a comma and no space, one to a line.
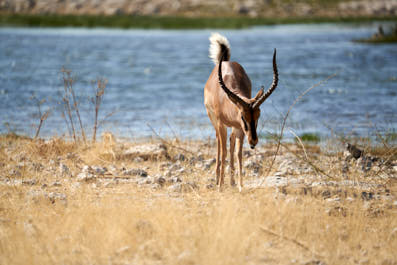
171,22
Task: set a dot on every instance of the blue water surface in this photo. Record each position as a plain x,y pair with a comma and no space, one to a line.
156,79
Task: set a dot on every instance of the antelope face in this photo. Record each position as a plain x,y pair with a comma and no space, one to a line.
249,122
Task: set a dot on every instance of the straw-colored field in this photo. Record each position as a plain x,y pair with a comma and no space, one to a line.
62,203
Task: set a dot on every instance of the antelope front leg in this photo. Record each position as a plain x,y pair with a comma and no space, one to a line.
223,136
232,145
218,153
240,142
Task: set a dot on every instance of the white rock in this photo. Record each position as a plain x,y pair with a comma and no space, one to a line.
64,170
54,196
333,200
87,169
135,172
99,170
85,177
276,181
146,151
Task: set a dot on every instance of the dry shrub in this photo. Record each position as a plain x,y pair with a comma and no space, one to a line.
51,148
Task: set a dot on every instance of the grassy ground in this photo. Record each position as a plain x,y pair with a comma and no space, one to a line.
50,216
160,22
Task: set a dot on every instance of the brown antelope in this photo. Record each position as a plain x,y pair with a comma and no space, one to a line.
227,98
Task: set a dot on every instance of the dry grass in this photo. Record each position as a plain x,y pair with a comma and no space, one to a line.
117,222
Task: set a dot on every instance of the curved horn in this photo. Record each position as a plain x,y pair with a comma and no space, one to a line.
273,86
233,97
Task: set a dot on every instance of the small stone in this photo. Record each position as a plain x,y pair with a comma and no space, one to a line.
146,180
174,167
180,171
15,173
160,180
29,182
208,163
252,165
108,185
37,166
135,172
54,196
71,156
156,186
354,151
180,157
85,177
56,184
210,186
138,159
326,194
99,170
76,185
168,173
148,151
177,187
349,199
333,200
367,195
276,181
87,169
183,187
174,179
200,157
63,169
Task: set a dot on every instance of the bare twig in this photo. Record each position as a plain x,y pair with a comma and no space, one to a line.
300,142
75,105
107,116
99,92
296,242
285,120
42,116
66,99
315,167
167,142
66,121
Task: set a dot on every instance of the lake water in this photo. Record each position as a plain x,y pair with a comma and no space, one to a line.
156,78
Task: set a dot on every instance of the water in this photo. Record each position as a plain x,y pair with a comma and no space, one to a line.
156,78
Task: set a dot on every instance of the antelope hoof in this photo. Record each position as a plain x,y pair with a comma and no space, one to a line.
232,182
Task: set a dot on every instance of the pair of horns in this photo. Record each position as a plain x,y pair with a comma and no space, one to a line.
239,101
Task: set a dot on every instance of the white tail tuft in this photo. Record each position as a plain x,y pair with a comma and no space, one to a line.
218,46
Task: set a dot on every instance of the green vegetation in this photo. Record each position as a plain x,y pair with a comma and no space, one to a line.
390,36
161,22
310,137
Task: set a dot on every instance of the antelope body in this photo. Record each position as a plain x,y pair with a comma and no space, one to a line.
227,98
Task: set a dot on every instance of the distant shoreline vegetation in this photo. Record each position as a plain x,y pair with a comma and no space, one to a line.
382,36
163,22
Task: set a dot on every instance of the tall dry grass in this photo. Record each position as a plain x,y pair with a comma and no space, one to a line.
125,223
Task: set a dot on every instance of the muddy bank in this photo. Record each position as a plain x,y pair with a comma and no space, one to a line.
252,8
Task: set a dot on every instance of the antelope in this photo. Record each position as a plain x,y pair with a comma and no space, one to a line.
227,99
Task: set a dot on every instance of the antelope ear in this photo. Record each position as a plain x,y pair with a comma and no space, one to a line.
259,94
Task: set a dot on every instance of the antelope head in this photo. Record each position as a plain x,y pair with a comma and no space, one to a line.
248,109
